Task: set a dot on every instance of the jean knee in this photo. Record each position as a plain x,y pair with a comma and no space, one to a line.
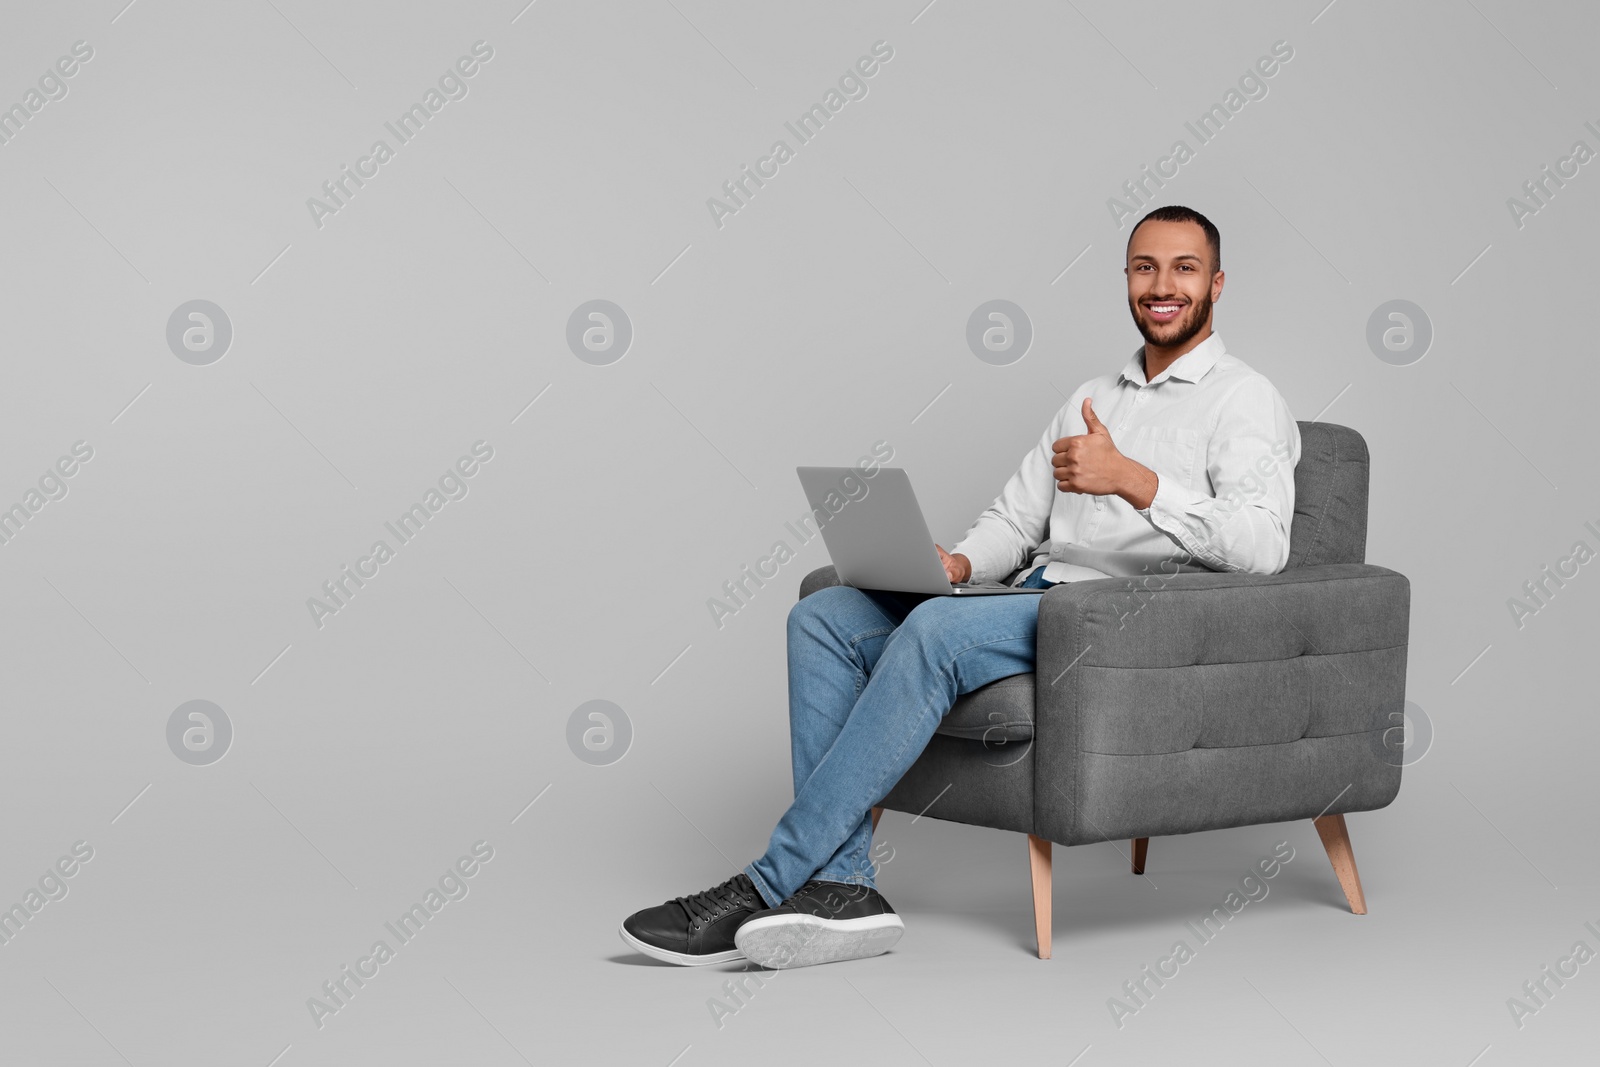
812,615
928,626
825,601
936,612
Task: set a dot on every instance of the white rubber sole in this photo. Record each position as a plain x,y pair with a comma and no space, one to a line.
779,941
682,959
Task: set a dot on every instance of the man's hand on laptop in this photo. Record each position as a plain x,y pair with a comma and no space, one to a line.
1090,464
957,568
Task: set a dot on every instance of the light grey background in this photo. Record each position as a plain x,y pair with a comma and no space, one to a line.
829,313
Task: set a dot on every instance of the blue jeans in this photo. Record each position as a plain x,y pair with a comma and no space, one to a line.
871,675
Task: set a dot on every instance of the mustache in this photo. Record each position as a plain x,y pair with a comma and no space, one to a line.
1185,326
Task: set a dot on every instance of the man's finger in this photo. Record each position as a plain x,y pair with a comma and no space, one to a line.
1091,420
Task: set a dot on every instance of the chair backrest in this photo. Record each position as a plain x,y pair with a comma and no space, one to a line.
1330,497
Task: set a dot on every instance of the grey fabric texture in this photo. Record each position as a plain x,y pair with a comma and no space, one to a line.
820,578
1330,497
1217,700
998,712
971,782
1178,703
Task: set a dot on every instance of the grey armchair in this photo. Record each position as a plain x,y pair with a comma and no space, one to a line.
1179,703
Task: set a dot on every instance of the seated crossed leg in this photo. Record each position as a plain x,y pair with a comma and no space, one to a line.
871,675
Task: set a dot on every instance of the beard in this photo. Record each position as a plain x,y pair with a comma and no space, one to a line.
1177,333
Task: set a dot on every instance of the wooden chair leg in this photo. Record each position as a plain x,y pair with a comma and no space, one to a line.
1336,839
1141,846
877,813
1039,863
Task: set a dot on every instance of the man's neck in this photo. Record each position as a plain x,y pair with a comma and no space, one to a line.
1158,359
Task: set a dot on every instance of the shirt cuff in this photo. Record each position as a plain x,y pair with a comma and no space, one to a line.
1172,501
982,566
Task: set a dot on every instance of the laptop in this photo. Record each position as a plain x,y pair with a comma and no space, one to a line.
877,536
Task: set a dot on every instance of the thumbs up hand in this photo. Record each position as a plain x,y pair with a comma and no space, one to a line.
1090,464
1091,420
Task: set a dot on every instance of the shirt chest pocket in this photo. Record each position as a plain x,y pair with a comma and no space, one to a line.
1170,451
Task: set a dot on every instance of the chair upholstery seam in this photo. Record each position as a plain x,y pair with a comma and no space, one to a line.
1211,590
1224,748
1242,662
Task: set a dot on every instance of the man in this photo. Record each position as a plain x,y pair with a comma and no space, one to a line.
1182,461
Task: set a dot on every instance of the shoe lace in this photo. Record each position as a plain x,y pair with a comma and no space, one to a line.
709,903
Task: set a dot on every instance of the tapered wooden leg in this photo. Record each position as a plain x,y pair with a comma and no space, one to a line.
1141,846
877,813
1039,863
1336,839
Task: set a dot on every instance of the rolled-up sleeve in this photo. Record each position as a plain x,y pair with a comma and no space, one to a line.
1243,524
1017,522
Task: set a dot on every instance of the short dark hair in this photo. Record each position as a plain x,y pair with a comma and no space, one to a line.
1179,213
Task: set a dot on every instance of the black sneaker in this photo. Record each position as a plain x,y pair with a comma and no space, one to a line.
697,929
823,922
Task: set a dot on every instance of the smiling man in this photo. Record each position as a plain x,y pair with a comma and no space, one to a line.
1184,460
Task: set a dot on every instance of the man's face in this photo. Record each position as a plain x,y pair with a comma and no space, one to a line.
1171,283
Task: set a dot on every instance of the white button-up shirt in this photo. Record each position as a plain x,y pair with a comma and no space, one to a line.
1223,446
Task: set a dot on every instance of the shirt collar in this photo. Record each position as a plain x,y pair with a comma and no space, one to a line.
1191,366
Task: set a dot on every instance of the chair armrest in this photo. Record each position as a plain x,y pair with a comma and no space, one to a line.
1222,617
820,578
1156,695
